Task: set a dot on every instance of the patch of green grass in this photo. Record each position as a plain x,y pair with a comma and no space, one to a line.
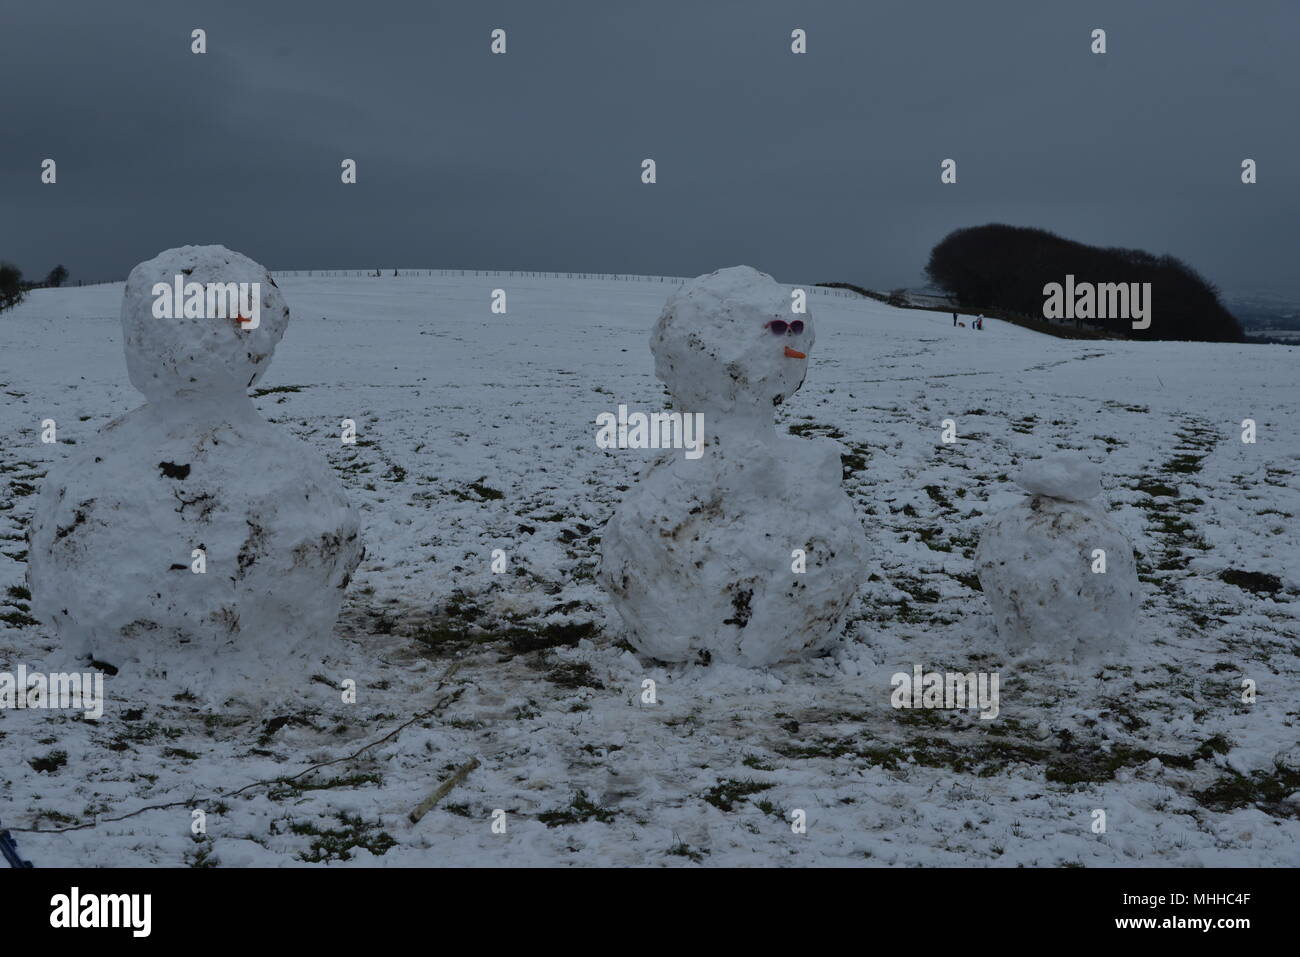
50,762
726,793
825,748
682,849
929,536
258,393
918,591
337,844
447,637
1216,744
291,789
984,758
1266,790
1093,765
1186,464
487,493
815,428
561,634
936,494
202,857
273,725
1167,524
1257,582
1155,488
574,674
595,750
56,817
851,463
992,755
138,734
580,810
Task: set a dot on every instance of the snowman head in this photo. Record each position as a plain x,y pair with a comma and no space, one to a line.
731,342
1069,476
182,347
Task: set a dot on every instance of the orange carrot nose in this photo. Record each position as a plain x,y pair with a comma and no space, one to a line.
794,353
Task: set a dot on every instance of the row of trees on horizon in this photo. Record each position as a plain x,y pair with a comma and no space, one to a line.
13,289
997,267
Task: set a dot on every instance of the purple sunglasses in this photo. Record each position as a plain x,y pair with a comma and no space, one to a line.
779,326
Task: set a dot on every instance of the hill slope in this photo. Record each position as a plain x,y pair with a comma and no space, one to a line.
477,432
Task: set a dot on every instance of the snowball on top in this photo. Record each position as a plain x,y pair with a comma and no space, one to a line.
182,357
1068,476
715,350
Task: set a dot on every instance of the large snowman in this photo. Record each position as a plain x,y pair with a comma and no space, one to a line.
190,540
1059,575
751,553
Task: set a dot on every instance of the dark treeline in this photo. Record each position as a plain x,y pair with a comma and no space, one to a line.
13,288
1006,268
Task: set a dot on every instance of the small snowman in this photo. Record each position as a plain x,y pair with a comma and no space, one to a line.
1060,576
190,540
751,553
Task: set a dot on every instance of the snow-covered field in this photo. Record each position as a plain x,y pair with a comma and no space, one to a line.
476,432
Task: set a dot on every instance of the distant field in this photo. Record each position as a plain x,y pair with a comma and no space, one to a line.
476,431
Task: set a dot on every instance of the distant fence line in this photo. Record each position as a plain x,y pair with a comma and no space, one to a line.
485,273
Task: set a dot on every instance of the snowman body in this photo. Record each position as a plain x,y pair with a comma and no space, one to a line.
1059,575
751,553
190,539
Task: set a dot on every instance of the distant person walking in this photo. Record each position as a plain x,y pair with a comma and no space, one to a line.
954,320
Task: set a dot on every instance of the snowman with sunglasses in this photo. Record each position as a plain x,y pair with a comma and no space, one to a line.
752,553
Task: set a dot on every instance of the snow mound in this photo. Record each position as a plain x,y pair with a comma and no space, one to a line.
1060,576
1068,476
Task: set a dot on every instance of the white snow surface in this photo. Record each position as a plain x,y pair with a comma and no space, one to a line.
476,432
1068,476
751,553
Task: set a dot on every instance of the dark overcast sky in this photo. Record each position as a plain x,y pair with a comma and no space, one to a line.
815,167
